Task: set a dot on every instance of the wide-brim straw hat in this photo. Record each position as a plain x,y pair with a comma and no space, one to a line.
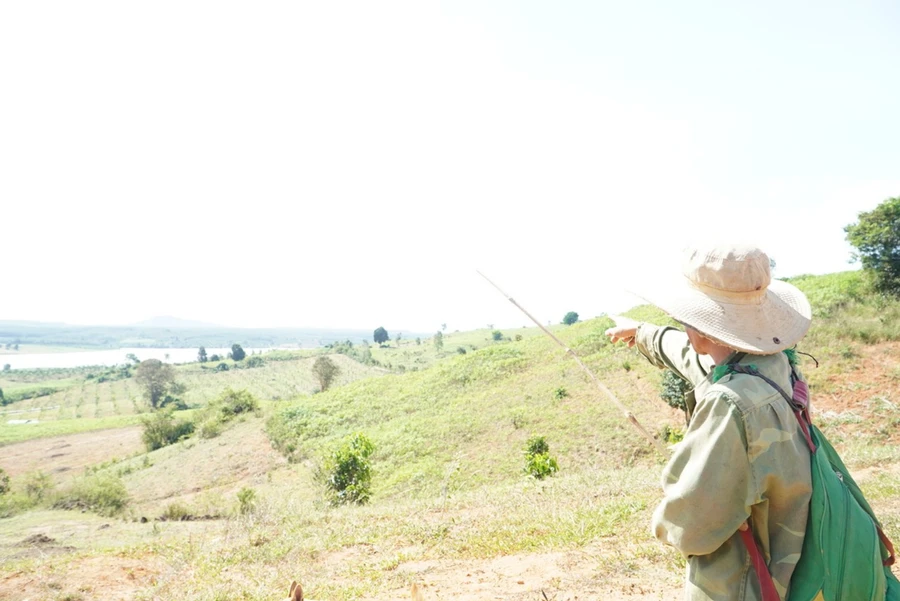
727,294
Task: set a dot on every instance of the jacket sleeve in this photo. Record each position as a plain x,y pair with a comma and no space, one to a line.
708,484
666,347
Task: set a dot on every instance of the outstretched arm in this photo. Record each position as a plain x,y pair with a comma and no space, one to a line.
664,347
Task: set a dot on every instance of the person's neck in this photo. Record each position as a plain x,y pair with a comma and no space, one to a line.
719,353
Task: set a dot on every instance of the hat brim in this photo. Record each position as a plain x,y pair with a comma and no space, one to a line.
771,323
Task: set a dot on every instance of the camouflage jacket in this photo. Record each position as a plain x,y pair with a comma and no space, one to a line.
742,457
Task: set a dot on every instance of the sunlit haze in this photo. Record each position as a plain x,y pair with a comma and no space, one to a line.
352,164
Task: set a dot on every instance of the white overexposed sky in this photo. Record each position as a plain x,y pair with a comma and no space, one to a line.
352,163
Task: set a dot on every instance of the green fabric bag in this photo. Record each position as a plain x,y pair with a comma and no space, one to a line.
843,555
846,555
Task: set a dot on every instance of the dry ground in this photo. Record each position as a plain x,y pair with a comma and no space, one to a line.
64,456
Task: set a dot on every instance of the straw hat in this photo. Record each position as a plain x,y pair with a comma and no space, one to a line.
727,294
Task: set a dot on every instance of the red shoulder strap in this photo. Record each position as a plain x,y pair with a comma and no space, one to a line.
766,584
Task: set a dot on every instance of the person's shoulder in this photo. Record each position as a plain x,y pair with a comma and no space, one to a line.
744,392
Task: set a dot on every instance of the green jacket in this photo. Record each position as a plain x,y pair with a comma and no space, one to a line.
742,457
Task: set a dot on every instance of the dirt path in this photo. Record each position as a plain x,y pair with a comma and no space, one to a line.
106,578
564,576
64,456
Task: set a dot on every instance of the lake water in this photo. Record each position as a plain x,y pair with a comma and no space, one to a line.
111,357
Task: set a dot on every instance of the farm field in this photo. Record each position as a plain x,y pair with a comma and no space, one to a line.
451,507
83,404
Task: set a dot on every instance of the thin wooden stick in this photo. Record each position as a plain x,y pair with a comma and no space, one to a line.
628,414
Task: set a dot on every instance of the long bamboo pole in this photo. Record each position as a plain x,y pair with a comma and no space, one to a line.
628,414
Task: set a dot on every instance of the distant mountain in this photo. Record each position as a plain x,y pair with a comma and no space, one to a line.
167,321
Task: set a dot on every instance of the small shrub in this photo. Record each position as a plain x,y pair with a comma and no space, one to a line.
254,361
497,335
175,512
518,419
4,482
347,473
461,350
215,358
221,366
162,429
234,402
102,493
672,435
518,337
536,445
174,402
560,393
673,389
37,486
210,428
538,462
246,500
626,365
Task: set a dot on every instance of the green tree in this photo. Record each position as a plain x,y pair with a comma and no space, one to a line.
133,358
237,353
876,237
381,336
201,355
497,335
7,367
156,378
570,318
325,371
438,342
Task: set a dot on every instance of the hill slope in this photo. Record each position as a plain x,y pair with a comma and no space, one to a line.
451,507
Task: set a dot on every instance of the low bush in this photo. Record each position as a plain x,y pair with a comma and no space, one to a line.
104,494
538,462
162,429
246,500
254,361
223,409
347,473
37,486
234,402
175,512
672,389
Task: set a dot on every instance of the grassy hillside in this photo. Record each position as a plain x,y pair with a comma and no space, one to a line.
451,506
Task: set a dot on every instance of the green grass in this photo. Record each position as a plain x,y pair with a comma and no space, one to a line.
21,432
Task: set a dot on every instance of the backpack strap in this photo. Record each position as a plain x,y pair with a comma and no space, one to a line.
799,402
766,584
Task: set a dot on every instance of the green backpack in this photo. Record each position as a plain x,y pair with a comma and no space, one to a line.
846,555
